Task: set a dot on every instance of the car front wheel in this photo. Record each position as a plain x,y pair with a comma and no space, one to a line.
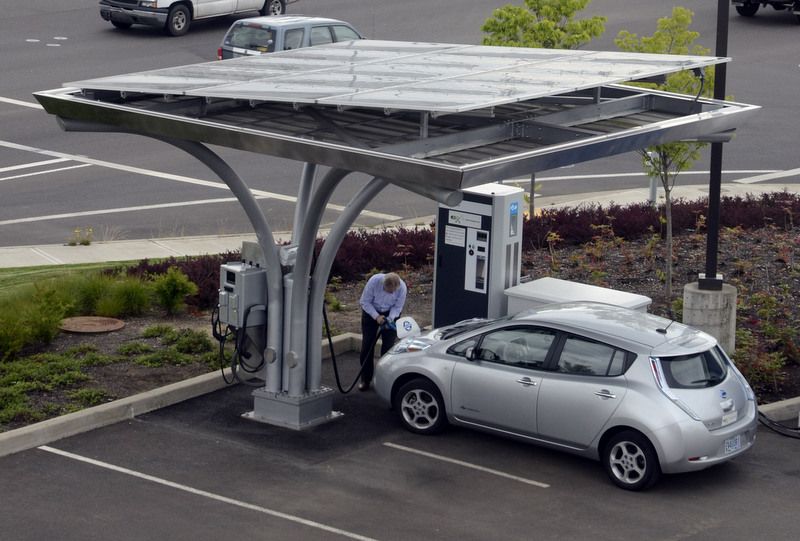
273,7
631,461
178,20
420,407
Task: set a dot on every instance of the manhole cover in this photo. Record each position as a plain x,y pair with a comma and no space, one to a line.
91,324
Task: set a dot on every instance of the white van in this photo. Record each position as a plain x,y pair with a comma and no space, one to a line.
175,16
259,35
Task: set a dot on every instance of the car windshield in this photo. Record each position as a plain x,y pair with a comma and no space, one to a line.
466,325
698,370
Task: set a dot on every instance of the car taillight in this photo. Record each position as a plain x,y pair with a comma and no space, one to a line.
219,53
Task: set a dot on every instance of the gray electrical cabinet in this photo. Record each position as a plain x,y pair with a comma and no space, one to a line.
478,253
242,286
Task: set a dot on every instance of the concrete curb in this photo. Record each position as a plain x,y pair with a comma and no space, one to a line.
783,411
71,424
98,416
52,430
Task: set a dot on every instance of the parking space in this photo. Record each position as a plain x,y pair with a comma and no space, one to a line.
198,470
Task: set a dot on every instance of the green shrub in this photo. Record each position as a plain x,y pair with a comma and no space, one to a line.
172,288
90,397
109,306
44,315
193,342
90,290
134,348
134,296
754,361
165,357
14,335
161,330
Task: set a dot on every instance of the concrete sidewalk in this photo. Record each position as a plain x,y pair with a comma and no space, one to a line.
125,250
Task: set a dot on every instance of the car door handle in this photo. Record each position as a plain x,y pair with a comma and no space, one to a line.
605,393
526,381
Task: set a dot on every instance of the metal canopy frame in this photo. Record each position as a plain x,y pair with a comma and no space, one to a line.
431,118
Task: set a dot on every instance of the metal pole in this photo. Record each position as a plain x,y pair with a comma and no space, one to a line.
321,272
710,281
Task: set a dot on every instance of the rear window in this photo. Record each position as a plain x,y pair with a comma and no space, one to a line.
255,38
695,371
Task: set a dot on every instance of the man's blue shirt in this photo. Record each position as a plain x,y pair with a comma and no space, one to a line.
375,299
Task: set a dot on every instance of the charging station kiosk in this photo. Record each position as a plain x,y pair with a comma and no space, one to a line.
478,253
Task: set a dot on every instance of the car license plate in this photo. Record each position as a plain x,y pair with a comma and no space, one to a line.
733,444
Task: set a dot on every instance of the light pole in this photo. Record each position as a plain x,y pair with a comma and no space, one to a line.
710,281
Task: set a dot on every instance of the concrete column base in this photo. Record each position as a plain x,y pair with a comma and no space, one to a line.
296,413
712,311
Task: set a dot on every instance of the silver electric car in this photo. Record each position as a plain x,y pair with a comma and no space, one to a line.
640,393
260,35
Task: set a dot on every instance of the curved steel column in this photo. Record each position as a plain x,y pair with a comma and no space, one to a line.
253,211
320,279
266,241
303,197
295,350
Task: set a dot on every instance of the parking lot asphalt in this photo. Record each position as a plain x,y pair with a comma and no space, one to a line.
183,463
199,470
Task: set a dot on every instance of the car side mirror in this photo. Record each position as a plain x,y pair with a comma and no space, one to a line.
470,353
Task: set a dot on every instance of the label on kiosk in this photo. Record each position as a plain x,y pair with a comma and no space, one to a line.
477,252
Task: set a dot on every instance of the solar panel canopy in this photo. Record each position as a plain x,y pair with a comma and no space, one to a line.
430,117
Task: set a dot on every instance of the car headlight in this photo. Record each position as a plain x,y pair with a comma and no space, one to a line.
410,344
148,4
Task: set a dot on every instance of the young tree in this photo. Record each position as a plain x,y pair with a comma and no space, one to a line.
548,24
664,162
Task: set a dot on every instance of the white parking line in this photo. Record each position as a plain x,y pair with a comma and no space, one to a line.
180,178
98,212
466,465
32,164
32,105
48,171
206,494
770,176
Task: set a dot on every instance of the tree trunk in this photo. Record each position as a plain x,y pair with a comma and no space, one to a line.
668,266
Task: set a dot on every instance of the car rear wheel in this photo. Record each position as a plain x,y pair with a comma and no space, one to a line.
747,10
631,461
178,20
420,407
273,7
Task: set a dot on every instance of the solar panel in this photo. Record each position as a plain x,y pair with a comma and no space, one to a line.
429,77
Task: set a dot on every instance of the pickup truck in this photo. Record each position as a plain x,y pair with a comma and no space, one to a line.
175,16
748,8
